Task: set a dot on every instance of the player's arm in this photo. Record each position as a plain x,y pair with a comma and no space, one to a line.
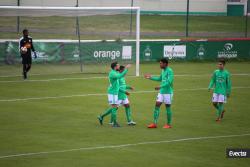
119,75
129,87
212,82
123,91
21,44
32,47
153,78
229,85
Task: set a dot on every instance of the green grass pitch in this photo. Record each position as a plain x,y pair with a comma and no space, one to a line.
56,118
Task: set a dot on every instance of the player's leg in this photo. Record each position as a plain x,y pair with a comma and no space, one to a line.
106,112
24,72
156,111
28,67
120,102
24,62
169,117
215,101
219,111
221,101
114,115
215,104
168,101
111,101
128,113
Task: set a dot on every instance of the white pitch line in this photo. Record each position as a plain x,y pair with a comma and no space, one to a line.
123,145
55,79
34,74
102,94
104,77
59,79
51,97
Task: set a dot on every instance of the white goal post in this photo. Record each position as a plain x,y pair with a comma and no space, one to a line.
37,11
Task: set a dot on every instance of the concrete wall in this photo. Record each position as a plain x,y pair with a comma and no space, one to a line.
162,6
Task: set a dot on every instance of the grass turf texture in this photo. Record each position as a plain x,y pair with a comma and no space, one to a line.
112,27
68,123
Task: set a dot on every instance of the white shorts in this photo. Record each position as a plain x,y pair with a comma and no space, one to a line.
122,102
164,98
113,99
219,98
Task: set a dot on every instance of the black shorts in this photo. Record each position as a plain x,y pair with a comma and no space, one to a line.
26,59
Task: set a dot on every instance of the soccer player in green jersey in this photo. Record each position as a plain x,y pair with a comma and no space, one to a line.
166,93
221,83
123,99
113,90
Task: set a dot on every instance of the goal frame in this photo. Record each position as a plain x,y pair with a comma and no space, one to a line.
137,9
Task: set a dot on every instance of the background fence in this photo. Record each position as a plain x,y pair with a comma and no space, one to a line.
160,19
101,52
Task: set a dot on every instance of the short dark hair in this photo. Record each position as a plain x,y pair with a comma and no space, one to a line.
122,68
223,61
113,64
164,60
25,30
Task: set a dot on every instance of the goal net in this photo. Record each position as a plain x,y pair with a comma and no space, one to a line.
72,39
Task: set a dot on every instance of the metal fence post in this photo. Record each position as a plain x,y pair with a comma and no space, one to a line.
18,19
187,18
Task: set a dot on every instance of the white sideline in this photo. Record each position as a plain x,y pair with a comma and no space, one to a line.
102,94
102,77
123,145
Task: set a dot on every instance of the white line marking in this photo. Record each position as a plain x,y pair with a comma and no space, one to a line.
104,77
101,94
35,74
48,80
123,145
59,79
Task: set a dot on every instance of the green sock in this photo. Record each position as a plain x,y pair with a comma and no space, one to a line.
219,109
169,115
156,114
128,113
107,112
111,120
113,115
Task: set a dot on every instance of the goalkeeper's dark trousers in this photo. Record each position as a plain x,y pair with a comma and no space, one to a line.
26,67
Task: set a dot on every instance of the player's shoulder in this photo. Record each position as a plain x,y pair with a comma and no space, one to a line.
170,69
227,72
29,37
216,71
21,39
112,72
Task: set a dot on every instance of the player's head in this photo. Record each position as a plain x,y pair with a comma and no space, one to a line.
122,68
25,32
115,66
163,63
221,64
